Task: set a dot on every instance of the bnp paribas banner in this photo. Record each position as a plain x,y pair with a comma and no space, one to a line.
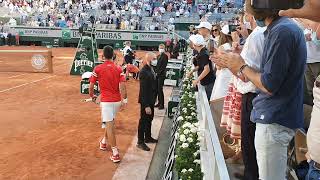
125,35
100,34
35,32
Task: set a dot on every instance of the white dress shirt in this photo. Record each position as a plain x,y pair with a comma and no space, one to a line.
252,55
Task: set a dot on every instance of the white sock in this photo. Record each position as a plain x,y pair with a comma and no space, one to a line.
104,141
115,151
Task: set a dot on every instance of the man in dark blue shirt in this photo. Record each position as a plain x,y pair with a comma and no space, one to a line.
278,108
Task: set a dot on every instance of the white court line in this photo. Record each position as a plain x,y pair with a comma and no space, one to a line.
29,73
63,57
31,51
25,84
17,75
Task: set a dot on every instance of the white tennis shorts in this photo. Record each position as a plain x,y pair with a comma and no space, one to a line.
109,111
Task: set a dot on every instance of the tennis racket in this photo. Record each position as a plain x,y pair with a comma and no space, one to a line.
96,101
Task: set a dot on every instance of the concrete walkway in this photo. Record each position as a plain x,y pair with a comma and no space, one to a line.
135,164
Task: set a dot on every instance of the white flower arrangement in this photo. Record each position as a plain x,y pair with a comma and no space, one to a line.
185,110
184,171
194,130
182,138
186,125
197,161
196,153
190,140
186,131
180,118
190,170
185,145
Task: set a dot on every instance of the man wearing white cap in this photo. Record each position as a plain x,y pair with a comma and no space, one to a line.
204,29
203,65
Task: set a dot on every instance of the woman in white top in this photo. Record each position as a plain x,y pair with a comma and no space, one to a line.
223,76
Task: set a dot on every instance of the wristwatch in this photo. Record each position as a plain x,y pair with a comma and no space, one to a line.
241,69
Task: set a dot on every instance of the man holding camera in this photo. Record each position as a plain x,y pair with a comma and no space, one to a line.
278,107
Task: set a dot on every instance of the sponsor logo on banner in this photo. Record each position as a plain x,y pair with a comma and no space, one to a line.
38,61
66,34
110,35
39,32
148,37
102,35
83,61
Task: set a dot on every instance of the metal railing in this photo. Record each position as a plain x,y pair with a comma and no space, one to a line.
213,164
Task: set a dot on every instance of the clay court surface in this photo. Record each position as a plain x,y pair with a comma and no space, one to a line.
46,132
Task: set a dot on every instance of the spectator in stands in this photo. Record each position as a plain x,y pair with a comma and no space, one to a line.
220,38
278,107
203,65
310,11
204,29
175,49
313,142
5,38
312,32
223,75
168,43
17,37
251,53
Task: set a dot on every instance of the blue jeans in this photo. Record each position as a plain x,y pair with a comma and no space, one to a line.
313,173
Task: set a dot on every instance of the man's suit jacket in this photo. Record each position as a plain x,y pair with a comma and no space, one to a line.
147,86
161,68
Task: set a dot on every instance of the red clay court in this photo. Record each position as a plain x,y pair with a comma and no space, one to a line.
46,132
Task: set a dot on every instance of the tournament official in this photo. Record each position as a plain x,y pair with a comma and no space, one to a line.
113,96
146,99
161,69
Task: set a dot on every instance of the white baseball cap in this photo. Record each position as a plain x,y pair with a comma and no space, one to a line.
197,40
225,29
204,24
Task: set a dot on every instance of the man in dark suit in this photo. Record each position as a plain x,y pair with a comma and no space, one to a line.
146,99
161,75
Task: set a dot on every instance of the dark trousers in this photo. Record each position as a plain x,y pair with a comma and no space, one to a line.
248,130
159,93
208,89
145,122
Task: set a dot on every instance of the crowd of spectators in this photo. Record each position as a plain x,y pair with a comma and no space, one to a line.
120,14
257,70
